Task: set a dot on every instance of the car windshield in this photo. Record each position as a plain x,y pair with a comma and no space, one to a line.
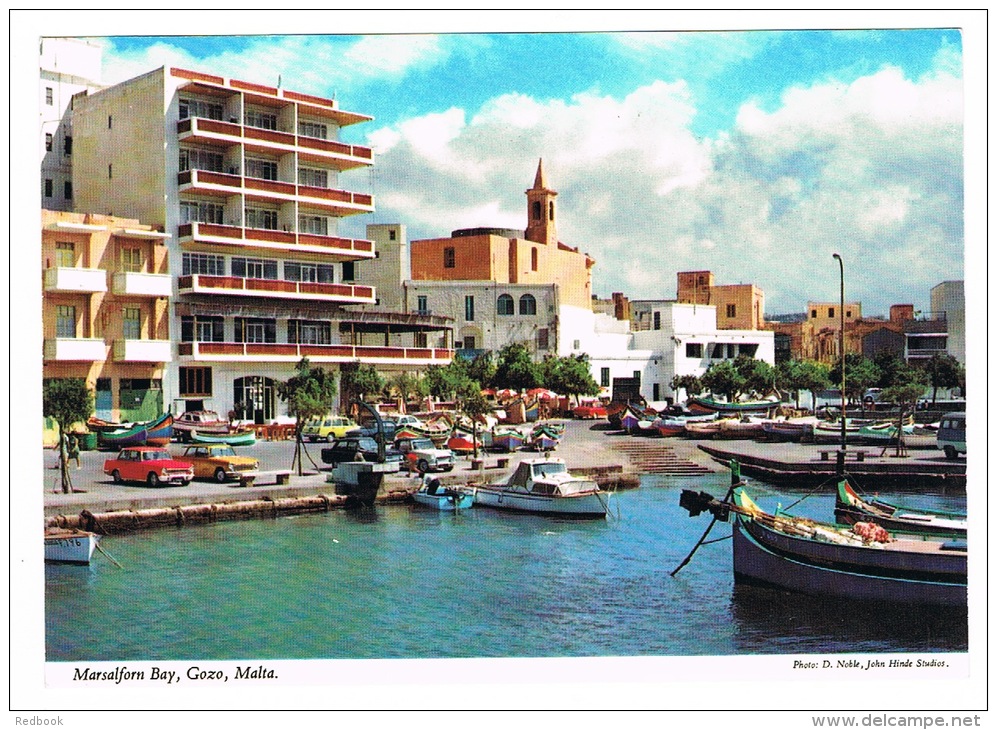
548,468
422,444
156,455
223,451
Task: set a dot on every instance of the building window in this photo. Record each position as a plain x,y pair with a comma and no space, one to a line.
65,320
110,172
313,130
604,377
316,225
65,254
543,338
506,305
848,313
420,339
550,209
313,178
198,108
261,169
131,325
306,332
656,392
392,234
195,382
48,96
422,304
48,188
261,119
201,212
657,320
48,142
265,219
195,159
748,350
537,210
310,273
109,122
254,330
527,305
534,259
813,314
449,257
349,271
469,342
694,350
830,312
67,145
255,268
131,259
469,308
67,189
202,263
202,329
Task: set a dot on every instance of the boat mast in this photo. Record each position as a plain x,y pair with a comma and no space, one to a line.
841,350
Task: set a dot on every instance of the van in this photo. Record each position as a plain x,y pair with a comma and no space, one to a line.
952,434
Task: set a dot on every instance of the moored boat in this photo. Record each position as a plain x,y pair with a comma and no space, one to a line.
446,499
863,562
709,404
244,437
201,421
851,508
69,546
544,486
159,433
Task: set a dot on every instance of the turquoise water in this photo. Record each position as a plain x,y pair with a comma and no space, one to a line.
403,582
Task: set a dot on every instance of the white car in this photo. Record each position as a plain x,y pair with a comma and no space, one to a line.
421,454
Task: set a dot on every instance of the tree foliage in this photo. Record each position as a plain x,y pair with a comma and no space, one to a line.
723,378
516,369
308,394
943,371
359,381
861,373
809,375
66,401
570,375
691,384
759,376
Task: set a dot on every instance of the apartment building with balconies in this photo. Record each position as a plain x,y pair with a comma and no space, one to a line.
247,179
106,289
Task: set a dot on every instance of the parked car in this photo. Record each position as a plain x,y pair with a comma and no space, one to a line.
369,429
327,428
952,434
219,462
150,464
421,454
347,448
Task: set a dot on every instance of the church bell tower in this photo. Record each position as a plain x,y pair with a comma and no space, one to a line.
541,225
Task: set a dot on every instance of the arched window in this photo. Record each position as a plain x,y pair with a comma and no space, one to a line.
506,305
551,205
527,304
537,210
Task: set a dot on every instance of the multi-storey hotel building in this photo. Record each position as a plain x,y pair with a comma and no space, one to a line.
246,180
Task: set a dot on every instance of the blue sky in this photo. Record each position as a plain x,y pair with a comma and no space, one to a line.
754,154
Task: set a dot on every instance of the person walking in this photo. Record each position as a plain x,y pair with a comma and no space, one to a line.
74,451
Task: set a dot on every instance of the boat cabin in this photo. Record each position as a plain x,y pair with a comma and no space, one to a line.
548,477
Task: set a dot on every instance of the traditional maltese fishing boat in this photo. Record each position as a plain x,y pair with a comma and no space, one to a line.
850,508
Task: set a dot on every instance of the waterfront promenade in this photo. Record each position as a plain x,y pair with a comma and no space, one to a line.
587,446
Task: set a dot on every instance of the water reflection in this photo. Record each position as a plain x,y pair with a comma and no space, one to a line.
773,621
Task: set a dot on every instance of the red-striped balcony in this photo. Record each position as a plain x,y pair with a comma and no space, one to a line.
337,154
322,201
308,246
291,353
275,288
205,182
209,132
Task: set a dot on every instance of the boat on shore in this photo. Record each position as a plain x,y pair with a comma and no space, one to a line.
883,432
790,430
69,546
244,437
204,422
850,508
544,486
709,404
507,439
863,562
138,434
445,499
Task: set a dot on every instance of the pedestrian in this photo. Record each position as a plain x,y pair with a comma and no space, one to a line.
74,451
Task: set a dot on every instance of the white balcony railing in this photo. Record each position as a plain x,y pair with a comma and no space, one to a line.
141,285
73,279
75,349
142,351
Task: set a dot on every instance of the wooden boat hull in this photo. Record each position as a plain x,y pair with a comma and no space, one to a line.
594,505
74,547
782,431
238,438
761,563
709,405
507,442
850,508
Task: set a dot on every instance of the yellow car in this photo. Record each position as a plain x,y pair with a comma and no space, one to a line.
219,462
328,428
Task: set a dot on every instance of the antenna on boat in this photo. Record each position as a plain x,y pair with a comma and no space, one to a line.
735,481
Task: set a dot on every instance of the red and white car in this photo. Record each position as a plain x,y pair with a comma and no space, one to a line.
150,464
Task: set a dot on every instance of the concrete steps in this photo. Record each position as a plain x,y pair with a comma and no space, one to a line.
655,457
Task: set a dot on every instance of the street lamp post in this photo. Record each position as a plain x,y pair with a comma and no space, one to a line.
841,350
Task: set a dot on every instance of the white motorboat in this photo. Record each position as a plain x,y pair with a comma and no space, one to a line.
69,546
544,486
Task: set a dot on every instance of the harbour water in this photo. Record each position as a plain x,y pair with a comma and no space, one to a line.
404,582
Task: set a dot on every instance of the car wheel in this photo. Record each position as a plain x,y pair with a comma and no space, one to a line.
950,452
153,479
448,468
423,466
219,475
116,476
185,482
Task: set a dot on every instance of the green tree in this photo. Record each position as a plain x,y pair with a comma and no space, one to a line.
482,369
408,386
516,369
66,401
472,404
308,394
809,375
759,376
908,384
444,382
943,371
570,375
861,373
691,384
723,378
359,381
